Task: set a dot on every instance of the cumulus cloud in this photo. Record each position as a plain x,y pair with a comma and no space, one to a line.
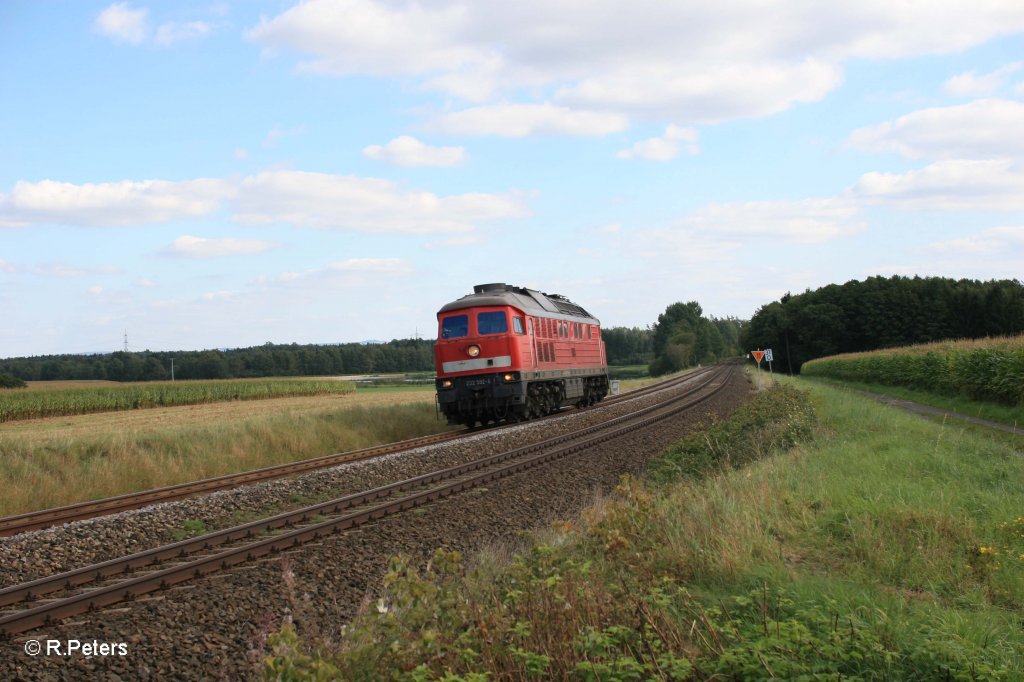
664,148
277,133
684,62
66,271
971,84
188,246
408,151
520,120
123,24
345,273
953,185
984,129
364,204
297,198
109,204
805,221
176,32
993,241
714,94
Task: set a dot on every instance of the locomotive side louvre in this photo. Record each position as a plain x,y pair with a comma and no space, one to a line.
508,353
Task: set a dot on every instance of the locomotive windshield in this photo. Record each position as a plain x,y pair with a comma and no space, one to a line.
455,327
492,323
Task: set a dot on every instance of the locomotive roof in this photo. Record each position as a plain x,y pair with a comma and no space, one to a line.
527,300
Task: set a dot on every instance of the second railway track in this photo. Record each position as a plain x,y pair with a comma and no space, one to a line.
45,518
223,549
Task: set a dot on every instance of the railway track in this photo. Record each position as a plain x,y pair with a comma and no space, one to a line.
127,578
45,518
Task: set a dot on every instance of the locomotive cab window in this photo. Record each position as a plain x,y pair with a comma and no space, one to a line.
517,325
492,323
455,327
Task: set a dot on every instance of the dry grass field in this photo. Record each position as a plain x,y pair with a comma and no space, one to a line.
54,461
60,460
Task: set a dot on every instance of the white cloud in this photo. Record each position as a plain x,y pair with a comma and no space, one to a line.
7,267
277,133
805,221
123,24
346,273
241,154
145,283
453,242
299,198
970,84
713,94
109,204
188,246
387,266
176,32
984,129
363,36
664,148
682,62
953,185
993,241
365,204
66,271
408,151
520,120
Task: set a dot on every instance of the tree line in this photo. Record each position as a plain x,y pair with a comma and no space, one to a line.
624,345
882,312
878,312
269,360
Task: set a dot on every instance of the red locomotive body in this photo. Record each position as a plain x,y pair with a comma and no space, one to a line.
508,353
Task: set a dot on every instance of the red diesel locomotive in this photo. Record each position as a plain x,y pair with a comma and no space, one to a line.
509,353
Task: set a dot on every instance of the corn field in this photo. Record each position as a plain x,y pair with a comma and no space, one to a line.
983,369
33,404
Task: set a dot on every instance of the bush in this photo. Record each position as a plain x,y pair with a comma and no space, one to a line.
8,381
775,419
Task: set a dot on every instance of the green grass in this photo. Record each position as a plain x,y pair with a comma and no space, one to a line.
1010,415
879,546
34,404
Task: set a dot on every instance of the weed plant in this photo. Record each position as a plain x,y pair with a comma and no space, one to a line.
870,545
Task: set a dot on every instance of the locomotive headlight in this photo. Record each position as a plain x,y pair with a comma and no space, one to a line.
447,383
473,351
510,377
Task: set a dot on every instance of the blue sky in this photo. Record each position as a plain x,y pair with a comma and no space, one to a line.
224,174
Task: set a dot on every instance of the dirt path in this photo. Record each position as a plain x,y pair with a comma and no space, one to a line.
928,410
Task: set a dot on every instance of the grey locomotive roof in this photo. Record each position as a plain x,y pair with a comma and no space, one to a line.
527,300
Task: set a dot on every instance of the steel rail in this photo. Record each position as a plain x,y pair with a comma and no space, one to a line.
521,458
45,518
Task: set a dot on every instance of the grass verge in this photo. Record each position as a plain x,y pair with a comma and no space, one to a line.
1011,415
868,545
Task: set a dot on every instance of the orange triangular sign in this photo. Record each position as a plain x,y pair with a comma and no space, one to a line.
758,355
